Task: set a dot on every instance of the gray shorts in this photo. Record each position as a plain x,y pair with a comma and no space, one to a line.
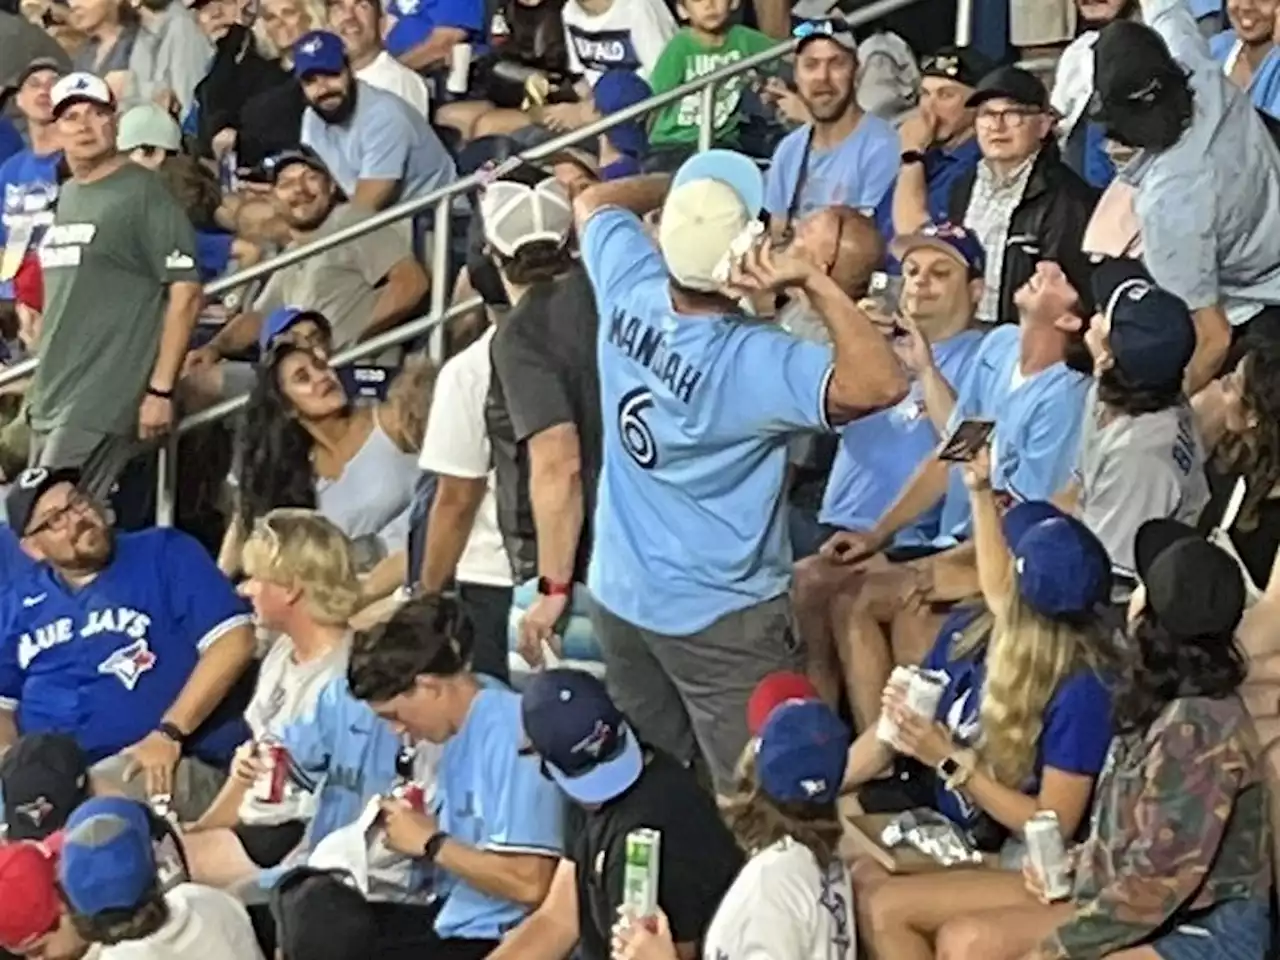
100,457
196,785
688,695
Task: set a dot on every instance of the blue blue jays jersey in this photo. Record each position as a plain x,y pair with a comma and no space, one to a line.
103,662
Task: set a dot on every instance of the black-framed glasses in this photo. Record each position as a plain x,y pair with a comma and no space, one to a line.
76,503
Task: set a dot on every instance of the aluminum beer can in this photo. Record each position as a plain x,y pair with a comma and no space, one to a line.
640,872
925,690
412,794
886,729
1048,855
270,787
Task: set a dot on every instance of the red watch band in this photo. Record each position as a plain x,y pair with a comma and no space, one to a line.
549,588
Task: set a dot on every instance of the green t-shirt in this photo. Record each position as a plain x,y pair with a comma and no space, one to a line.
114,247
685,59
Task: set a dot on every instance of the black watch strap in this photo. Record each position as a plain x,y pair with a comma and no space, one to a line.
912,156
431,849
171,731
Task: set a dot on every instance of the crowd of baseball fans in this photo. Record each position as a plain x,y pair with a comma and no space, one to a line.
914,450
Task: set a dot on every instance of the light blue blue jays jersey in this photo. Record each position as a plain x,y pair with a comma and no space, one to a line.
493,799
878,455
691,519
1038,422
105,661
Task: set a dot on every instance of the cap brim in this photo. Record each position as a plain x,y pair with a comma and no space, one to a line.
740,173
1113,274
606,781
67,102
901,246
979,97
1155,537
844,41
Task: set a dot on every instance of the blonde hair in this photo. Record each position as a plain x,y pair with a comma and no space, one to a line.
1028,656
301,548
317,14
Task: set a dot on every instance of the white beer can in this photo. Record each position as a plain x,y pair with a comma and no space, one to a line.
1048,855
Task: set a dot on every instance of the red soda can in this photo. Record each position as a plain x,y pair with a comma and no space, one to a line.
412,794
271,785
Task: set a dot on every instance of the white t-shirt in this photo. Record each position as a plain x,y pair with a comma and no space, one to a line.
286,693
457,445
387,73
783,906
203,922
628,36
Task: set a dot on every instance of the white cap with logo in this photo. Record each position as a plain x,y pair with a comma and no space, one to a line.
80,87
515,215
715,197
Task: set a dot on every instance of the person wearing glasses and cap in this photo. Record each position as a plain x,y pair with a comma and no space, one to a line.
843,155
28,178
1206,176
699,404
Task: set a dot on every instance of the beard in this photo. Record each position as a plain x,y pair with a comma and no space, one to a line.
93,545
833,109
341,112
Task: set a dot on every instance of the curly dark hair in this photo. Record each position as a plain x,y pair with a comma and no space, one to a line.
273,448
758,821
1256,454
1165,668
1116,391
428,636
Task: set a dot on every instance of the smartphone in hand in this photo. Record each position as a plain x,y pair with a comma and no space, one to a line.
966,440
886,292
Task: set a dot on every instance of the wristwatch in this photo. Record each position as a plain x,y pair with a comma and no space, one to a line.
172,732
956,769
550,588
912,156
431,849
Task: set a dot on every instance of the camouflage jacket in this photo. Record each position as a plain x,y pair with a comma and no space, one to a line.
1180,824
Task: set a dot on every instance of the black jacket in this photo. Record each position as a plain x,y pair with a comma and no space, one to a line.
1048,224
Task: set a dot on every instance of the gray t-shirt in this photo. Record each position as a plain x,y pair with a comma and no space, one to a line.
114,247
342,283
1135,469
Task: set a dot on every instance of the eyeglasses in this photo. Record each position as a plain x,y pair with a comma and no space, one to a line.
1012,117
77,502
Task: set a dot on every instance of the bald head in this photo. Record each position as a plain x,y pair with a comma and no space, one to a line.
845,244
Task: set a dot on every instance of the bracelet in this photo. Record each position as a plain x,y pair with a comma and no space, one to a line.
431,849
157,392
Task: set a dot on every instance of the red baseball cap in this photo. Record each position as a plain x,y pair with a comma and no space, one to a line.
773,691
29,902
28,284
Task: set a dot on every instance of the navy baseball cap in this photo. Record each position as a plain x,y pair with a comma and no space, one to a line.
581,735
1063,570
964,65
1195,588
26,491
280,320
108,861
318,52
1152,333
616,90
802,752
1010,83
951,238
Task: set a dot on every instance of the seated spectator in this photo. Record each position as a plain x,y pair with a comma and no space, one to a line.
423,36
606,35
1022,726
360,288
496,833
585,745
301,578
29,178
622,148
169,56
107,873
110,28
34,919
359,24
878,455
527,44
793,899
305,443
938,143
1019,377
171,641
1176,862
377,148
1024,203
322,916
1206,182
1247,52
1140,454
843,156
709,41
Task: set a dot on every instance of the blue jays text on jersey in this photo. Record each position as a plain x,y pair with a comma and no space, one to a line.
105,661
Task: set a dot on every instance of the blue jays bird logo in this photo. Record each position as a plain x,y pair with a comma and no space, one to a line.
595,742
36,811
128,664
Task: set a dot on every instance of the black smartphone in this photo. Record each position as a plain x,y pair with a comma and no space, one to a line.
966,440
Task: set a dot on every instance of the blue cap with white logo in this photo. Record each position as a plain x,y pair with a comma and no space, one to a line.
108,861
1152,334
581,735
318,52
954,239
802,752
1062,569
280,320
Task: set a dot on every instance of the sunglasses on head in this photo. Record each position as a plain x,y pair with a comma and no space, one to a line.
821,28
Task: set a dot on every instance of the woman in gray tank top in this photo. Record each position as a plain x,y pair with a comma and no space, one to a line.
303,443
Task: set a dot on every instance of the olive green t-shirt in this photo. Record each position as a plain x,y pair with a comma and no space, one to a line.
114,247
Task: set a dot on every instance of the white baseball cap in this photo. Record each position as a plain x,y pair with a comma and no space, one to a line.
515,215
148,125
80,87
714,198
